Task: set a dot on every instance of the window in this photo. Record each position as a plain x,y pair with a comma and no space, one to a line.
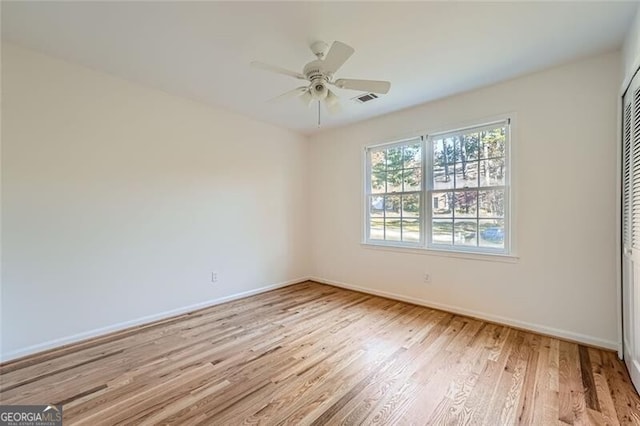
395,196
445,191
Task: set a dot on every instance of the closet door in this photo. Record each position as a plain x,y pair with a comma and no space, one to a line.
631,229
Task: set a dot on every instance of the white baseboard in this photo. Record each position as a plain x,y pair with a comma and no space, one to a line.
562,334
51,344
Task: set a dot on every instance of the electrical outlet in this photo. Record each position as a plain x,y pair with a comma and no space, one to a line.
427,278
214,277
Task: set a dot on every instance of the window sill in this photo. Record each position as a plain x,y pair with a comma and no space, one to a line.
490,257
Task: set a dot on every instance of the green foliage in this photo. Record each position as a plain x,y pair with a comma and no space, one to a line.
411,203
493,143
394,166
467,150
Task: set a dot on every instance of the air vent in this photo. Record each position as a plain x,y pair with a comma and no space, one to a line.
365,98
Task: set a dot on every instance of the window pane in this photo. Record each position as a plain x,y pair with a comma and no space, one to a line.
466,174
411,206
412,179
492,172
491,233
457,141
378,182
466,203
392,206
469,147
491,203
465,233
394,158
438,151
376,229
378,174
449,151
442,204
411,230
392,229
376,206
444,151
443,176
442,231
466,147
394,181
492,143
378,160
412,156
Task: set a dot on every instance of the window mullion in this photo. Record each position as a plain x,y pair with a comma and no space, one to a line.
367,196
453,199
427,180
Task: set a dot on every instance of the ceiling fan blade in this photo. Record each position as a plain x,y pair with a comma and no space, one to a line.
374,86
332,102
306,98
336,57
290,94
277,70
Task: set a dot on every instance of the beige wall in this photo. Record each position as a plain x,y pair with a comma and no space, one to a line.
119,201
564,158
631,48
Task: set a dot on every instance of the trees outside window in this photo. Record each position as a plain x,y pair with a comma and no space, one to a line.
448,190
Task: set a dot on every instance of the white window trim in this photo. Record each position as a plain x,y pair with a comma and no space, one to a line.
508,254
482,256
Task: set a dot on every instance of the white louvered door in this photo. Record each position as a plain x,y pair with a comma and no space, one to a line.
631,229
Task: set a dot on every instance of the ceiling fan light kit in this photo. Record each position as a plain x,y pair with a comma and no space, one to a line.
319,73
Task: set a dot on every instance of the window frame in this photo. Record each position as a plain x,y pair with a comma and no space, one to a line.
426,203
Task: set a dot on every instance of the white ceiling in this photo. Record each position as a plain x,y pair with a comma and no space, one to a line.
202,50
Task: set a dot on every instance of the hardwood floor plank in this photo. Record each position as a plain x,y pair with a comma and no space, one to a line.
315,354
566,414
543,377
588,381
625,399
607,407
551,413
528,395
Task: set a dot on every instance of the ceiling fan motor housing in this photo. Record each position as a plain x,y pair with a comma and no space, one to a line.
315,74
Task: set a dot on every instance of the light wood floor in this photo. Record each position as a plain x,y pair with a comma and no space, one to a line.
315,354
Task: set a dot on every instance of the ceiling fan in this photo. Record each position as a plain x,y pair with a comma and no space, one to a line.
319,73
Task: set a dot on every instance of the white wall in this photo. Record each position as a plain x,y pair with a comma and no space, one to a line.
564,141
631,48
119,201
